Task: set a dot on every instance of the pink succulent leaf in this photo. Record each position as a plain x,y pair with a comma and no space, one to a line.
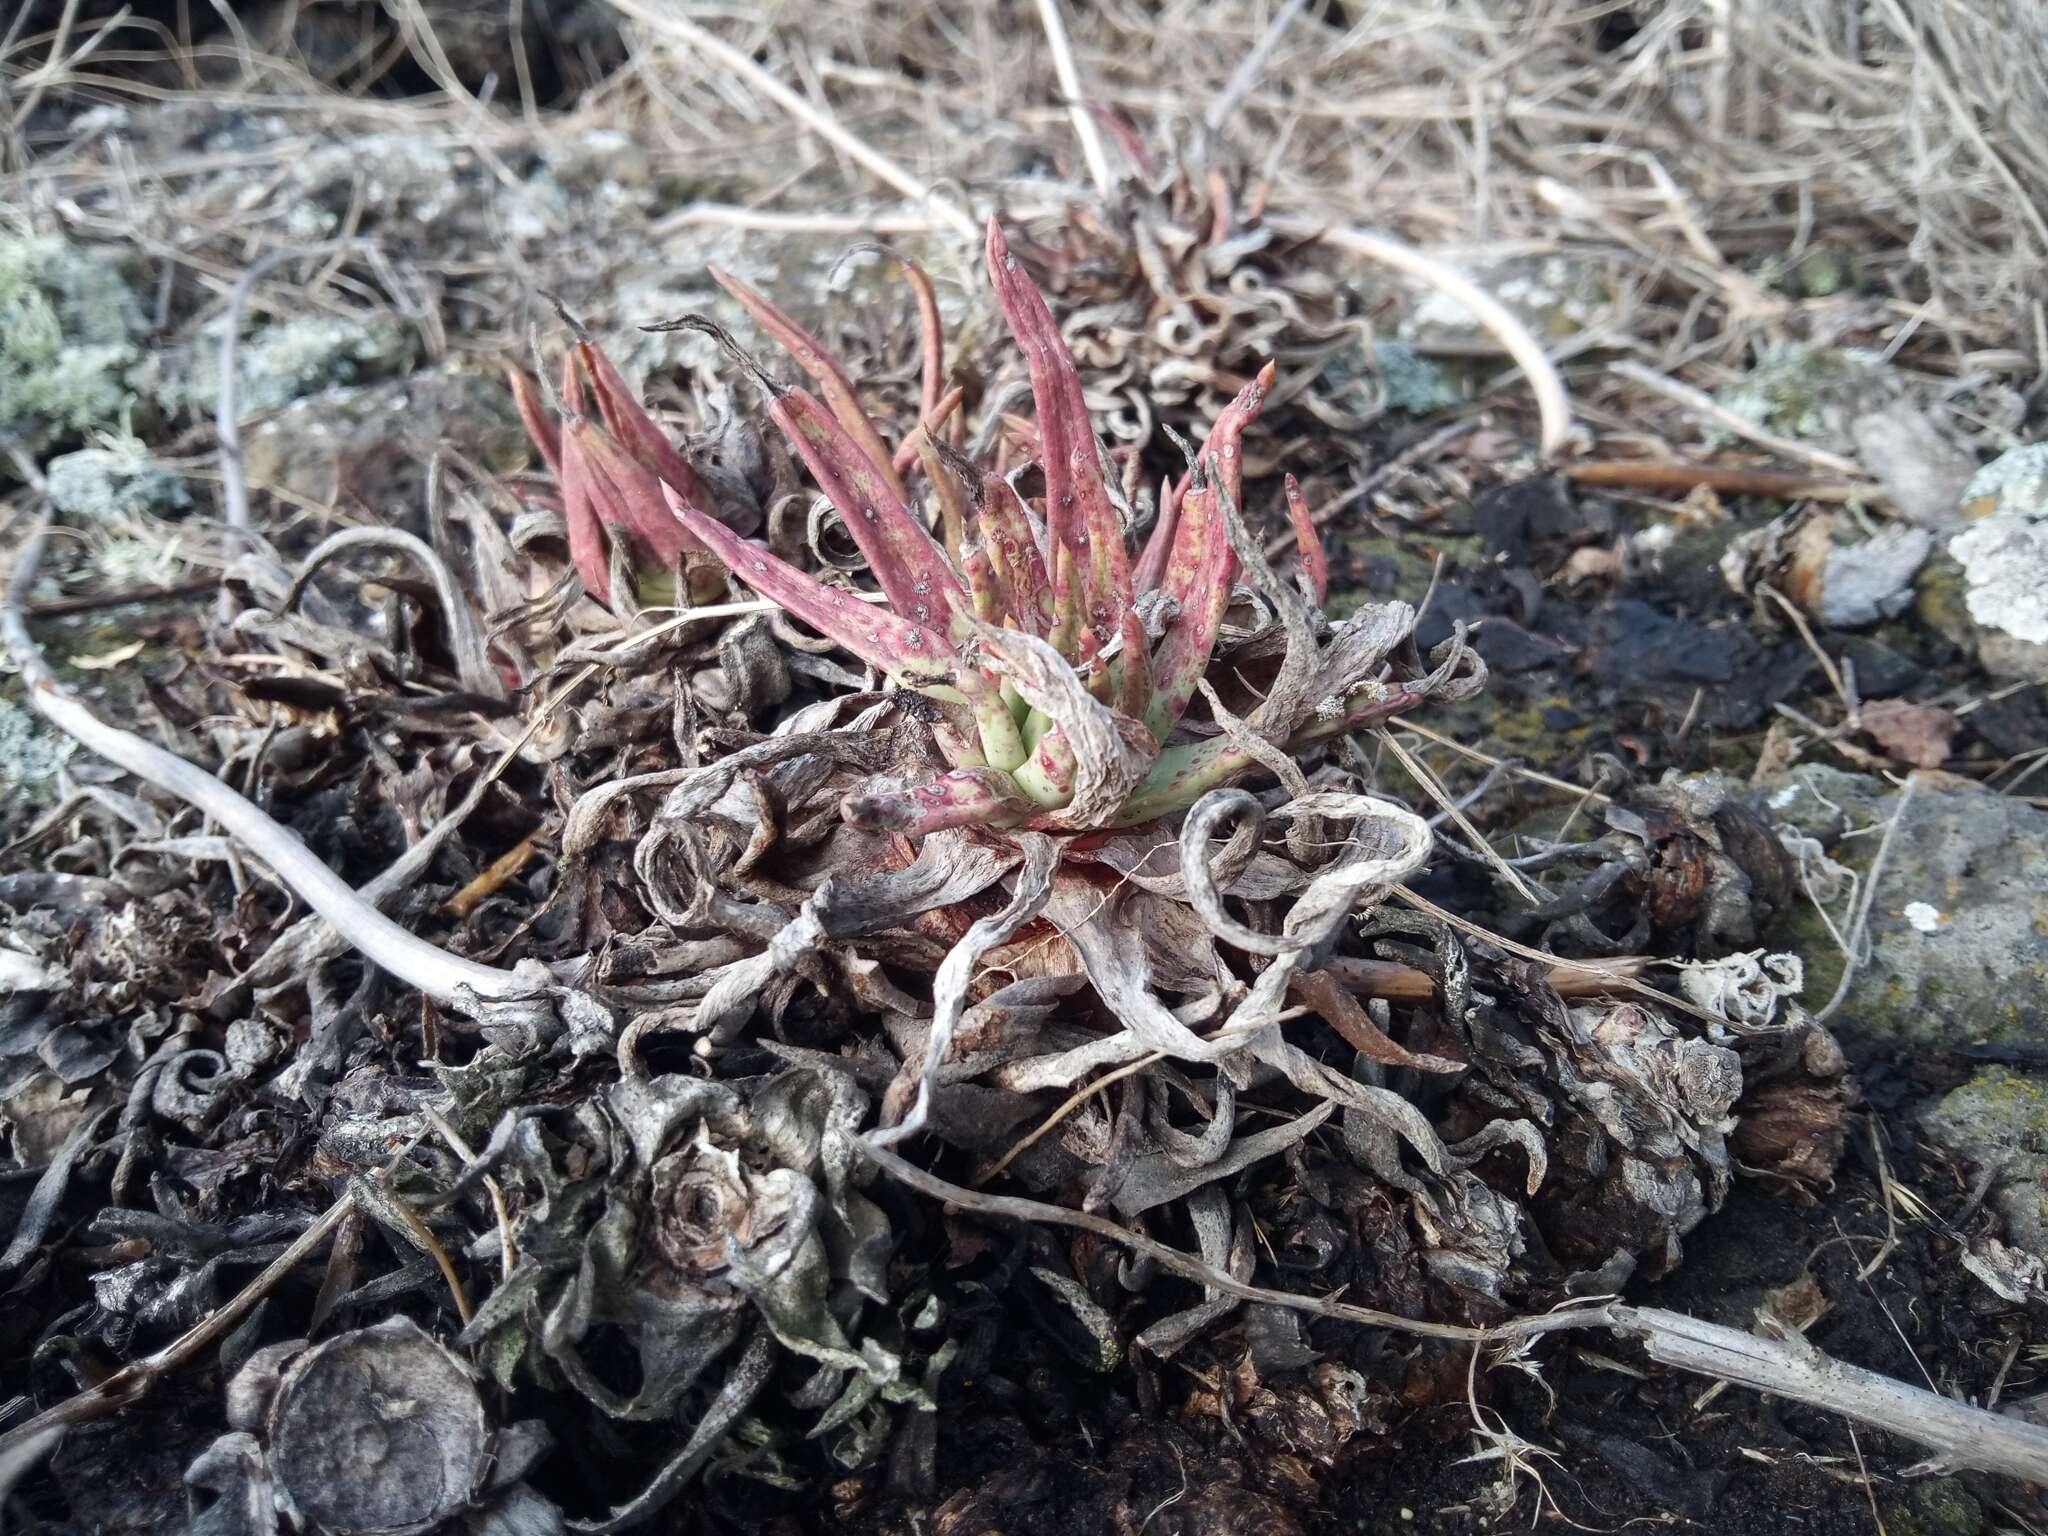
1228,430
961,797
1079,514
908,563
948,489
824,370
1006,529
630,423
533,415
1183,655
1308,539
903,649
628,497
984,583
588,546
1151,567
1134,668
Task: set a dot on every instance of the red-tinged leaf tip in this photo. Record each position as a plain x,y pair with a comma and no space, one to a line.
903,649
1151,567
630,423
628,498
1308,539
824,370
589,550
533,415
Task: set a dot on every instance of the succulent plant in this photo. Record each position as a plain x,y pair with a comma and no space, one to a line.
1057,667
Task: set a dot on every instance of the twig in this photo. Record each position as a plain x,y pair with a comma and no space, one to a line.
1073,1102
227,419
1962,1435
1553,406
137,1377
95,602
681,29
1250,67
444,977
1407,458
1729,479
472,654
1435,790
1069,73
1700,403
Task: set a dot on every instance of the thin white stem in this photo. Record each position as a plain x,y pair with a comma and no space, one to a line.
1704,405
472,653
1553,406
1055,25
681,29
444,977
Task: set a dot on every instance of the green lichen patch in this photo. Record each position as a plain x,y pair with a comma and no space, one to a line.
1805,392
117,478
68,329
297,357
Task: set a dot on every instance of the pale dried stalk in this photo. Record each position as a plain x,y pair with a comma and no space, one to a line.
446,978
1704,405
1553,406
682,30
1055,25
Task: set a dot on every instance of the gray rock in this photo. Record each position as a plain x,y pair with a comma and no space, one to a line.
1921,468
2000,1117
1959,923
2003,552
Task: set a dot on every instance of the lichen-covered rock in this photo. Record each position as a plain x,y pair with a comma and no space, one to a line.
298,357
2003,553
119,478
68,327
2000,1116
30,752
1959,924
372,442
1807,392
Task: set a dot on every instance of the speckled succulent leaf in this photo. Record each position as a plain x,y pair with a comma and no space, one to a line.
1156,567
1308,540
1006,528
533,415
958,798
907,562
899,647
1133,669
824,370
1079,514
1204,564
984,584
628,421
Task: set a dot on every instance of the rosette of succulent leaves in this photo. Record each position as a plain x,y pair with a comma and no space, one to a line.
1032,751
1081,820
